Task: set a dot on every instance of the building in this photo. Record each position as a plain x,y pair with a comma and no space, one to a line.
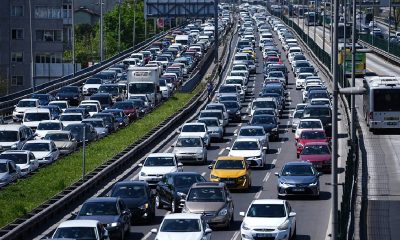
84,15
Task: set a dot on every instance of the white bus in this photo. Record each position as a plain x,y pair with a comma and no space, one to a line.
381,103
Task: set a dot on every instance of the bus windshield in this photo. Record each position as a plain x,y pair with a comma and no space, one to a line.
386,100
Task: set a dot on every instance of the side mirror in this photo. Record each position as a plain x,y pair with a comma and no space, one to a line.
140,164
208,231
228,148
241,214
276,174
154,230
292,214
235,134
265,148
180,164
210,166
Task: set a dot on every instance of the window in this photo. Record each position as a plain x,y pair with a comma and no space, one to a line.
17,80
17,11
48,58
48,12
17,57
67,11
49,35
17,34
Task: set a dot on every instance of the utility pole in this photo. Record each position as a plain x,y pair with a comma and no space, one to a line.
84,152
345,41
73,35
134,24
353,79
323,28
101,32
216,60
390,14
315,19
31,46
119,26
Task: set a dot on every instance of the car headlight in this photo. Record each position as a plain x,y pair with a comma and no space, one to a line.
114,224
213,177
14,146
223,212
245,227
242,177
181,194
142,174
275,129
144,206
314,183
47,158
238,112
284,225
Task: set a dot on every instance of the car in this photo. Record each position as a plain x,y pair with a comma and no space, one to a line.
274,215
70,118
32,117
25,160
256,132
138,197
119,116
9,172
76,130
92,108
233,109
47,125
72,94
91,86
195,129
105,99
307,136
110,211
64,140
45,151
321,112
269,123
55,111
61,104
82,110
156,165
114,90
214,113
229,90
212,199
321,101
300,80
318,154
295,117
233,171
229,97
81,230
298,178
99,125
267,102
183,226
173,187
44,98
191,149
218,106
215,129
22,106
14,136
251,149
308,123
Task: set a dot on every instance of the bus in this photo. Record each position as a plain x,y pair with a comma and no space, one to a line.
381,103
342,29
311,19
345,59
299,10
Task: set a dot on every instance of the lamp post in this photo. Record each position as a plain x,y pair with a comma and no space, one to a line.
84,152
134,24
101,32
323,29
119,26
31,46
390,14
73,35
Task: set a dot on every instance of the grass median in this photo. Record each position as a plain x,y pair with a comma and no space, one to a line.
26,194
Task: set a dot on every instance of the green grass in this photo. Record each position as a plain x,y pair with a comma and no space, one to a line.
27,194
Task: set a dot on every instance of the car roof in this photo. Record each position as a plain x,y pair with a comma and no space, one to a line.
317,143
71,113
183,216
298,163
38,110
194,123
208,184
78,223
50,121
247,139
28,99
16,152
39,141
58,131
128,182
11,127
268,201
222,158
183,173
161,155
102,199
251,127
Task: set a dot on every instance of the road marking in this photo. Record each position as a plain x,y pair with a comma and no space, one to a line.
279,151
136,176
236,235
203,173
222,150
266,176
274,161
258,194
236,130
146,236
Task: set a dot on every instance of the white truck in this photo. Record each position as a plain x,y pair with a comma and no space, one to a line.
144,80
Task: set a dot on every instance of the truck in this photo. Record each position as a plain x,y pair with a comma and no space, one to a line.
144,80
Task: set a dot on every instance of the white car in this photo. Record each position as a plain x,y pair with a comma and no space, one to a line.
48,125
61,103
196,129
25,160
33,117
251,149
321,101
275,216
311,124
81,229
97,102
45,151
92,108
183,226
301,79
91,86
70,118
156,165
22,106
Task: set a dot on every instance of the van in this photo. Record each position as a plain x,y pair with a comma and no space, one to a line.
32,117
14,136
185,40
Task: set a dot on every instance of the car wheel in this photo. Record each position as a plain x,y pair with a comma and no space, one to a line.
158,203
293,237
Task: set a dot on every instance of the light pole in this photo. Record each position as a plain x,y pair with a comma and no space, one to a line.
315,20
345,41
134,24
101,32
73,35
31,46
323,28
119,26
84,152
390,14
353,78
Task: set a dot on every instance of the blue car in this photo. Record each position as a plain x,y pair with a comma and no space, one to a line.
119,115
44,98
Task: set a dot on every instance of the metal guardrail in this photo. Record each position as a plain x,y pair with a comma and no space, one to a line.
7,102
382,53
22,227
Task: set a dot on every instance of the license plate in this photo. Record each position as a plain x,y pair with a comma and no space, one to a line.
263,235
298,189
229,182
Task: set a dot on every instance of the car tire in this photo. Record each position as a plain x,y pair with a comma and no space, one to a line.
293,237
158,203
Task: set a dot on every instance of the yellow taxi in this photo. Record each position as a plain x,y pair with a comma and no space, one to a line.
233,171
252,54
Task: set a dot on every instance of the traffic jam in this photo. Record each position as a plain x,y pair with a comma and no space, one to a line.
209,181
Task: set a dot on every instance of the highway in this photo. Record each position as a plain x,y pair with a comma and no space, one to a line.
313,216
380,159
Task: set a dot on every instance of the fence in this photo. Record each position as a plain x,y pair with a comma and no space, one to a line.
393,48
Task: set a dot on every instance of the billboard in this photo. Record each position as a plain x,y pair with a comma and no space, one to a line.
179,8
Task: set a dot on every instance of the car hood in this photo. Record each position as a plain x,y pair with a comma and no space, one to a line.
158,170
200,207
315,158
260,138
7,144
181,150
104,219
86,86
134,202
267,127
225,173
63,145
258,222
200,134
179,235
245,153
297,179
22,109
39,155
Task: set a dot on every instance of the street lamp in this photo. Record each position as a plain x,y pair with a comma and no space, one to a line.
119,26
101,32
73,36
31,46
84,152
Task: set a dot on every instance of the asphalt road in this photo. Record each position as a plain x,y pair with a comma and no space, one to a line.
313,216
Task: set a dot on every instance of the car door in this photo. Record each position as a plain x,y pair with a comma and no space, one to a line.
124,214
33,162
169,190
292,220
162,190
230,203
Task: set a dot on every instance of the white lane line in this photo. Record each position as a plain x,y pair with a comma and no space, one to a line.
279,151
203,173
136,176
146,236
274,161
236,235
258,194
222,150
240,124
266,176
236,130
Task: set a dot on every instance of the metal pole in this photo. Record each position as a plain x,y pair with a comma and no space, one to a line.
145,28
303,19
84,152
101,32
360,2
345,41
308,24
315,20
335,75
119,26
373,19
73,35
323,29
390,14
31,46
216,31
353,78
134,24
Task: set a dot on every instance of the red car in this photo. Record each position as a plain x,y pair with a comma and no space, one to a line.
318,154
273,59
309,136
129,109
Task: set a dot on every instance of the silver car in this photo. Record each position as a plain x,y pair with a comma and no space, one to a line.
190,149
256,132
64,141
99,125
214,127
9,172
25,160
296,116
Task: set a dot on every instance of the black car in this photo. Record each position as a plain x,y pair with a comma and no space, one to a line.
233,109
83,111
277,67
119,115
109,119
55,111
72,94
110,211
138,197
322,112
105,99
173,187
268,122
44,98
317,93
114,90
76,130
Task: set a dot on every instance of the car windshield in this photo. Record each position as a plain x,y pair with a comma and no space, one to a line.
94,81
227,89
230,104
69,90
37,147
229,164
245,145
263,112
57,137
185,181
89,107
129,191
310,124
180,225
26,104
267,211
99,208
248,132
312,135
210,114
108,89
263,119
193,128
17,158
320,102
3,168
234,81
227,98
34,117
205,195
210,122
188,142
40,96
123,105
98,124
74,117
159,161
298,114
298,170
315,150
49,126
263,104
8,136
276,74
79,233
61,105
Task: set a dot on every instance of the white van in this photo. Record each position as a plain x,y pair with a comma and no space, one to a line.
13,136
185,40
33,117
